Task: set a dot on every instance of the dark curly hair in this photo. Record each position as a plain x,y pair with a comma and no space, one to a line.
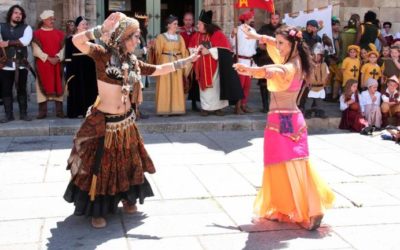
369,16
11,10
292,34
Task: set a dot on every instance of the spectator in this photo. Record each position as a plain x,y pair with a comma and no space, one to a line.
316,83
187,31
70,28
352,118
170,46
386,33
351,64
370,69
310,35
48,52
391,67
262,57
81,84
15,37
391,102
246,49
217,80
371,103
348,37
369,32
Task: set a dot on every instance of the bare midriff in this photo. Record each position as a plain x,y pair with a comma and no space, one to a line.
111,99
283,101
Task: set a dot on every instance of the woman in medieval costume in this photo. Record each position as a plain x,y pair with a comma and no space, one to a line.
108,158
170,46
82,84
291,189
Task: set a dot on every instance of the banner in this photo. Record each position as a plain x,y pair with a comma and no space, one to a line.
324,15
267,5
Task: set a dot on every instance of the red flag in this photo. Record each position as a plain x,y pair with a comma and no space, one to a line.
267,5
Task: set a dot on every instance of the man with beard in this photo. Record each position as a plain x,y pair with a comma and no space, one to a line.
262,57
15,36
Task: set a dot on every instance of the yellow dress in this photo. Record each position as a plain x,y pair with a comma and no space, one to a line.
170,97
351,67
291,191
369,70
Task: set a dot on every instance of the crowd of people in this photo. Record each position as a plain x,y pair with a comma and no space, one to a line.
361,51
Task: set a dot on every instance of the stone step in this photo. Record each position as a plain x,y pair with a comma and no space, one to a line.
175,124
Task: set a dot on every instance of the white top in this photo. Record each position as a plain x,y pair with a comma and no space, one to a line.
366,99
25,40
343,105
386,99
247,47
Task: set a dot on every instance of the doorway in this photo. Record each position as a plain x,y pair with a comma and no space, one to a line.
156,10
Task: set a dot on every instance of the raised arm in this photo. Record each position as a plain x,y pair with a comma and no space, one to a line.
81,40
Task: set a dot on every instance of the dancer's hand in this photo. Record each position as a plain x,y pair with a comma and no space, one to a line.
194,54
250,33
240,68
111,22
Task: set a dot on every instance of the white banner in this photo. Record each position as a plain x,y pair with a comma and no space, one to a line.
324,15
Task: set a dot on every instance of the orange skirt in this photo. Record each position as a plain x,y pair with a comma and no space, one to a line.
292,192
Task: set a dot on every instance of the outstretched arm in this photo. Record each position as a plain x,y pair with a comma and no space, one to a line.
252,34
266,71
175,65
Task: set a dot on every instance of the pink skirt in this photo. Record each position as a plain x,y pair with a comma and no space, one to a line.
285,137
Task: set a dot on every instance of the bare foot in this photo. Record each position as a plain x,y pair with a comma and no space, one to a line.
99,222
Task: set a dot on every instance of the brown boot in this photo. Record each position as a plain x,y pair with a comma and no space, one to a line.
99,222
42,110
59,110
385,119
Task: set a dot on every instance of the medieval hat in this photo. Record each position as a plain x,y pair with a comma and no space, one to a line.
355,47
46,14
371,82
246,15
206,16
313,23
393,79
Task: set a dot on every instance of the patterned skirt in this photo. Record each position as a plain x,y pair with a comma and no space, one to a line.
107,162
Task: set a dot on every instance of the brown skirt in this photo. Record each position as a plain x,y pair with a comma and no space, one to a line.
107,163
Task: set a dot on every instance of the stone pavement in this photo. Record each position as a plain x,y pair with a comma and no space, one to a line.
204,189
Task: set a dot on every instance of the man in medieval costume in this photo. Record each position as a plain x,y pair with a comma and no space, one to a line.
219,83
48,46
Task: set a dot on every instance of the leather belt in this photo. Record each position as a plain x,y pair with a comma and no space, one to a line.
245,57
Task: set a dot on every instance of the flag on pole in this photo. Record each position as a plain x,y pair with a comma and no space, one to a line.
267,5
